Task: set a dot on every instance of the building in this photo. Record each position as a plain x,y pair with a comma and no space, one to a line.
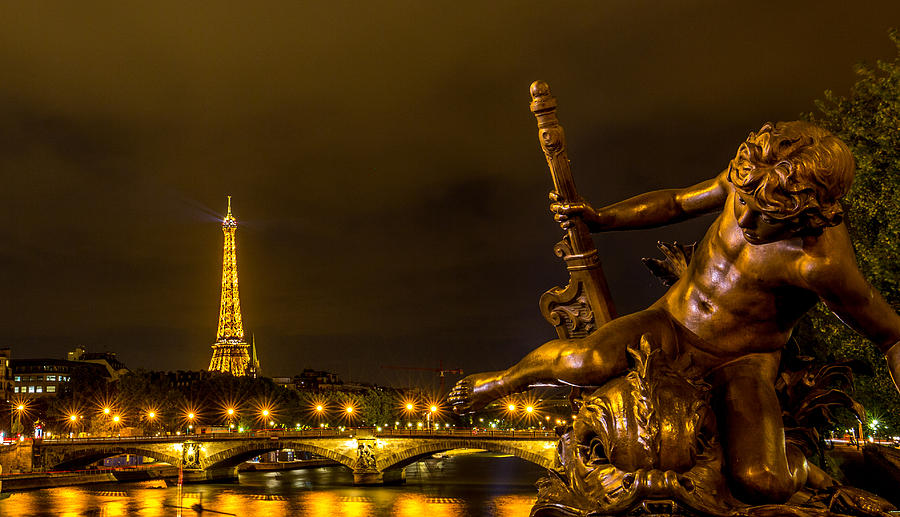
316,380
49,377
108,360
181,380
231,352
6,375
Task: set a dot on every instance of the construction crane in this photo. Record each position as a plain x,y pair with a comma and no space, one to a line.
439,370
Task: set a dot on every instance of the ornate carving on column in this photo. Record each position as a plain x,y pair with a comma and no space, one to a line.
365,469
190,455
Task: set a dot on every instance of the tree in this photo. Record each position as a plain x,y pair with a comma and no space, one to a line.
379,407
868,120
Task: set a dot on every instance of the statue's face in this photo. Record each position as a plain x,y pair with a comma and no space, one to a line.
756,226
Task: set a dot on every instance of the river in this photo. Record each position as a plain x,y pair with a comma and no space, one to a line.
482,484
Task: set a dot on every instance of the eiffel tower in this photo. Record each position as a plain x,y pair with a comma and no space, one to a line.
231,353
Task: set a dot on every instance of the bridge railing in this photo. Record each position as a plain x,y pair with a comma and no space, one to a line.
276,434
467,433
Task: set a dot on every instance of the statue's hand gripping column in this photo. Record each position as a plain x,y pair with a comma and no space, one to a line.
585,303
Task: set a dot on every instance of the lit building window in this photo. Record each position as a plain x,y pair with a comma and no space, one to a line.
16,389
51,377
39,389
18,378
51,389
31,389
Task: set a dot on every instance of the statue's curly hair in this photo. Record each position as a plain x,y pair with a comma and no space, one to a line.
795,170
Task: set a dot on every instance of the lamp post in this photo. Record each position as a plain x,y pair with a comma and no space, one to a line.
73,424
319,410
510,413
151,419
409,409
429,417
17,427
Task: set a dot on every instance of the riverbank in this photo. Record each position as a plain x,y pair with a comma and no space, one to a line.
286,465
38,480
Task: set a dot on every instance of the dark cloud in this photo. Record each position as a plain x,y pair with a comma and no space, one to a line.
389,187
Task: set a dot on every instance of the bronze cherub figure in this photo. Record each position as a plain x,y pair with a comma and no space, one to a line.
777,247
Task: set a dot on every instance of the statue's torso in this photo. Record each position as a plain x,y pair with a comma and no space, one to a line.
738,297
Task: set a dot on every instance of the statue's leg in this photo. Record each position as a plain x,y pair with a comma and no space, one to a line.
761,469
591,360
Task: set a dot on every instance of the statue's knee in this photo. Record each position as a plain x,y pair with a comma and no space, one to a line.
761,485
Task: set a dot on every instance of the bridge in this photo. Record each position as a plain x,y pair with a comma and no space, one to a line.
374,456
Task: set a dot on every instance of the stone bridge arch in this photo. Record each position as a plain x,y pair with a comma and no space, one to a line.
242,452
74,458
542,453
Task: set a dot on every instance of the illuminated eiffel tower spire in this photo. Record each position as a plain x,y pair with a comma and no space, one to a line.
231,353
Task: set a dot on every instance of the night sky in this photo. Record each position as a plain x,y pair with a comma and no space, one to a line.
386,176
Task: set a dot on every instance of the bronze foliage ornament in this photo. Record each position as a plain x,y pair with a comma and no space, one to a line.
678,405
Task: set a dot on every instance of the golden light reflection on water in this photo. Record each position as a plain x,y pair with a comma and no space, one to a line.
67,498
415,505
513,505
152,503
468,487
115,509
320,504
230,502
264,507
75,502
24,503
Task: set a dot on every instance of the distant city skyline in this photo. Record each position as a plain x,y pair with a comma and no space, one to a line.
391,189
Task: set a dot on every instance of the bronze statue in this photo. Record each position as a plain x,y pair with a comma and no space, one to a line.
777,247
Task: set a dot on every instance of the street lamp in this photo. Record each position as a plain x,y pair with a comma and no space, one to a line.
21,409
150,415
73,423
408,407
429,417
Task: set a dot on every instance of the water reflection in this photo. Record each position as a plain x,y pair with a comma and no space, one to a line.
459,486
414,505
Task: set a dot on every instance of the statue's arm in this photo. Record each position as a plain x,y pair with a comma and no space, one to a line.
651,209
842,287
